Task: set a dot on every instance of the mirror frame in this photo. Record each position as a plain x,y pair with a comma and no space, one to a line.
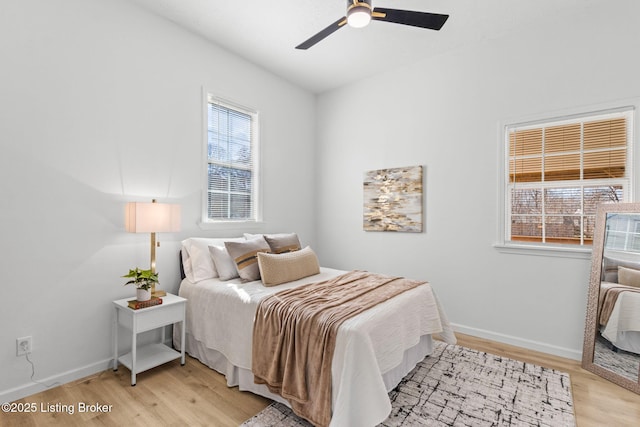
591,322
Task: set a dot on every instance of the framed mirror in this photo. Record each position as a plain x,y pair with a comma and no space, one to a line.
612,327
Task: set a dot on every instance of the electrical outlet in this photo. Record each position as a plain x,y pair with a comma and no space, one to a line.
23,346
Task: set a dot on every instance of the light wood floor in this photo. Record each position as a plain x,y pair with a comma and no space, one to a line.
194,395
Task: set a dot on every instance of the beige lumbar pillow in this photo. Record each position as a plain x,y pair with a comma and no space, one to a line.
628,276
276,269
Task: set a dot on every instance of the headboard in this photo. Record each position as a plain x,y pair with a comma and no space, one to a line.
182,275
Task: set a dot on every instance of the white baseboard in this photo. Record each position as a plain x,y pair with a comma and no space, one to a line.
520,342
55,380
60,379
91,369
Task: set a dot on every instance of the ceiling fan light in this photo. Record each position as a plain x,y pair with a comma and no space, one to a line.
359,16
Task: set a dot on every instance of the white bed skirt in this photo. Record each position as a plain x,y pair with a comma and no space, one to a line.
243,378
625,340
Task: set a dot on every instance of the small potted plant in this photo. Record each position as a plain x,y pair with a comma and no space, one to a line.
143,280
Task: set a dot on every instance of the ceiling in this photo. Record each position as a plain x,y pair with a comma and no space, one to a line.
266,32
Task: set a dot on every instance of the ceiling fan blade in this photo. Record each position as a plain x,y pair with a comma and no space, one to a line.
324,33
432,21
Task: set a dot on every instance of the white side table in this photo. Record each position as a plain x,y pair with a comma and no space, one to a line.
172,310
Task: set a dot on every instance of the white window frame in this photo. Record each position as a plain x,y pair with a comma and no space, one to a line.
229,224
503,243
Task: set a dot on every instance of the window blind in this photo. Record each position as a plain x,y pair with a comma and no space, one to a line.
589,150
231,171
559,171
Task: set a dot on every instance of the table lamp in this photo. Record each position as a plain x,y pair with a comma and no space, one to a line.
142,217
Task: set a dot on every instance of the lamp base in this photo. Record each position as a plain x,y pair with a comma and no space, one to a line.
157,292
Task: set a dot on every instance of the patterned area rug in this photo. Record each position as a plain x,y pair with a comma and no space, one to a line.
457,386
621,362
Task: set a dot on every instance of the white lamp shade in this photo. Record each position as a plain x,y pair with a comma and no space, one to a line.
152,217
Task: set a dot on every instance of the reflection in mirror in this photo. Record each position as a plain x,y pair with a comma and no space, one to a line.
612,332
618,341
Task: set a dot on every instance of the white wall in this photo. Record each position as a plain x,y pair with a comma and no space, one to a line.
443,113
100,104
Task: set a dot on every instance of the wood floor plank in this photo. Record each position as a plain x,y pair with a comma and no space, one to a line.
194,395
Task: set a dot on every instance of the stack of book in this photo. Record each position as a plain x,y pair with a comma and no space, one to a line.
135,304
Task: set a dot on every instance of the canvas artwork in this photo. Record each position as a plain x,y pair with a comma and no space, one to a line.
393,200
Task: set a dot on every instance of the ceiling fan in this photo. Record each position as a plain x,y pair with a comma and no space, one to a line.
360,13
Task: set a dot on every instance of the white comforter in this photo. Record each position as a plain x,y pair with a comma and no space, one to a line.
220,316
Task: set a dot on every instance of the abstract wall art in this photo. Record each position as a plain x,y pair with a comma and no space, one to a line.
393,200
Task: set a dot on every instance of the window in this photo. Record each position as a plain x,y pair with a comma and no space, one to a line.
559,170
232,173
623,233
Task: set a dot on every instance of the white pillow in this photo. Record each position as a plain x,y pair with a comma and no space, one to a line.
225,265
198,264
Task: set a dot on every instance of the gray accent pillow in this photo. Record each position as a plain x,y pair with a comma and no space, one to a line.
283,243
244,255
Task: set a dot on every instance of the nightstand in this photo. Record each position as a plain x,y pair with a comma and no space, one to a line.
172,310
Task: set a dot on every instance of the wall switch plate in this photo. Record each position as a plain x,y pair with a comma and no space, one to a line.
23,346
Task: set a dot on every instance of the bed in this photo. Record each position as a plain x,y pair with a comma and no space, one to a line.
374,350
622,326
620,320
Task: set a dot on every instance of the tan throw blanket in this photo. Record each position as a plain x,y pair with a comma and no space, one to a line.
295,331
608,300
